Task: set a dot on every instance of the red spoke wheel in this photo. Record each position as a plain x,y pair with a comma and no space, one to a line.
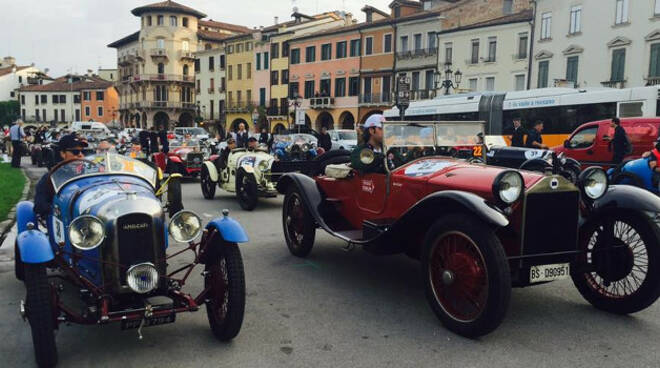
619,271
466,275
299,227
225,301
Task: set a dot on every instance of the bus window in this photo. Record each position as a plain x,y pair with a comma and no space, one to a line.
584,138
630,109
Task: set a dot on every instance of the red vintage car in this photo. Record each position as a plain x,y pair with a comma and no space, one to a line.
478,230
185,158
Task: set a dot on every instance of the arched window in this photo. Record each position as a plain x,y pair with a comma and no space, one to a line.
161,68
185,70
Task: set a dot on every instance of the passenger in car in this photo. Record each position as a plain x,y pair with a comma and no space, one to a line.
372,141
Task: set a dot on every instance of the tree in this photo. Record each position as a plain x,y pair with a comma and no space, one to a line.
9,112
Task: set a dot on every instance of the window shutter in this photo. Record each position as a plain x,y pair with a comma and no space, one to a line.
655,60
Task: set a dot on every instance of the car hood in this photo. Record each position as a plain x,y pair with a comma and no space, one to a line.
453,174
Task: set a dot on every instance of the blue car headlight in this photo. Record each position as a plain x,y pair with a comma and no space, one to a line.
86,232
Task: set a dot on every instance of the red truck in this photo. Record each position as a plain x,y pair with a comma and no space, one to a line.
589,144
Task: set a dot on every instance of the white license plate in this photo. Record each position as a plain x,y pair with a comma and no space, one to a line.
549,272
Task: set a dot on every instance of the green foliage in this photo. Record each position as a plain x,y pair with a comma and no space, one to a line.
9,112
11,188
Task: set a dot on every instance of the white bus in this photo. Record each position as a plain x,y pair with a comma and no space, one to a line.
561,109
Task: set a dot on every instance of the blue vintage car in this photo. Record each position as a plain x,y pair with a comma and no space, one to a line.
637,173
100,257
295,147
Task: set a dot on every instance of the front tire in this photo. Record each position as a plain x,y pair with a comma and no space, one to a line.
208,185
40,314
174,197
226,299
466,275
622,254
246,190
299,227
19,266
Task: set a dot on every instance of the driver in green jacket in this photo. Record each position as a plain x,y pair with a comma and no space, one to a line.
372,159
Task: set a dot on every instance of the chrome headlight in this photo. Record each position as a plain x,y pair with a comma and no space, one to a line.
593,182
508,187
142,278
185,226
306,147
86,232
264,165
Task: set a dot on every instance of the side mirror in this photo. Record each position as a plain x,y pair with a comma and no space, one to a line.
566,144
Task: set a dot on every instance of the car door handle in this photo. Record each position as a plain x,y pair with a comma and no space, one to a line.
590,152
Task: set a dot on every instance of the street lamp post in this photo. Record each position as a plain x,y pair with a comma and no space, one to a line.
296,102
446,81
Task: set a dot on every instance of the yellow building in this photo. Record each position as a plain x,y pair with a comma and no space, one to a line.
240,99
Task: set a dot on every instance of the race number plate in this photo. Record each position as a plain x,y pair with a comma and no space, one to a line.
549,272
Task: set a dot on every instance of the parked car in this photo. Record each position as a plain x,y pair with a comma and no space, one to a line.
194,133
533,159
588,144
296,147
185,157
343,139
478,230
105,246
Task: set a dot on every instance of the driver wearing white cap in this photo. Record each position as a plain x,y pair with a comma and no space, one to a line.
361,157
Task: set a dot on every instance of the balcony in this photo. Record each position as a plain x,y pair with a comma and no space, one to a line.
321,102
186,55
652,81
166,105
404,55
240,106
222,89
472,61
163,77
422,94
375,99
211,90
126,78
614,83
158,53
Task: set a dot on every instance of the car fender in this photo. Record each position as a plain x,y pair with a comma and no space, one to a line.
213,172
627,197
24,215
34,247
454,200
175,159
309,191
230,229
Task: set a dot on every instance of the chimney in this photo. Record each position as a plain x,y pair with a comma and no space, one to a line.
277,20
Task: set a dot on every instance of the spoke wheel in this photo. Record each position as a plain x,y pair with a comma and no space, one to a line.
299,227
208,185
225,280
466,275
621,256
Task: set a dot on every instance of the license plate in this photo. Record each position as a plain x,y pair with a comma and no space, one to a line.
152,321
549,272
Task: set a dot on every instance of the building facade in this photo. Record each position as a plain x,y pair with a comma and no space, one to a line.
13,77
241,103
156,64
211,85
70,98
111,75
593,43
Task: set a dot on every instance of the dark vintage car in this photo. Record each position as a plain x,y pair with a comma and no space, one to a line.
101,256
296,147
184,157
478,229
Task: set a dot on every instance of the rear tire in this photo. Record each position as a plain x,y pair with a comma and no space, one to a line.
19,266
625,279
466,275
226,305
40,314
298,224
208,185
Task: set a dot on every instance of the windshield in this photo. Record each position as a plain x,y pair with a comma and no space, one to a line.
433,134
348,136
408,135
102,165
459,134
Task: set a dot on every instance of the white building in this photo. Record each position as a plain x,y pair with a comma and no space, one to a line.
108,74
13,77
491,55
593,43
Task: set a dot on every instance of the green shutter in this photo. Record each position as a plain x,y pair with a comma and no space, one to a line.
618,65
543,74
572,68
655,60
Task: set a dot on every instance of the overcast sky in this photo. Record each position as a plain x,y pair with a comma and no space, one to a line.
71,35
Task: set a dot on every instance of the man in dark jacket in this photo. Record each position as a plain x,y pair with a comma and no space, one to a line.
518,137
324,139
162,135
372,140
534,138
620,144
153,139
143,136
242,136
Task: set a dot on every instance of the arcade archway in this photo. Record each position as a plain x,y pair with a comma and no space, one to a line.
161,119
324,120
347,120
185,120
